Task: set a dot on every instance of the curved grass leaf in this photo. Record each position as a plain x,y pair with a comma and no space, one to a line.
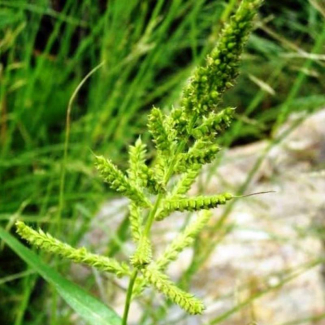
89,308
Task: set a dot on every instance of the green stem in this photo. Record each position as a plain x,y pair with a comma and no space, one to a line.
152,215
129,297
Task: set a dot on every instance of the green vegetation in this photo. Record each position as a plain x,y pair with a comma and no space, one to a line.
147,51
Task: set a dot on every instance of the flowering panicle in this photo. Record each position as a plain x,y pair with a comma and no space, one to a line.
184,141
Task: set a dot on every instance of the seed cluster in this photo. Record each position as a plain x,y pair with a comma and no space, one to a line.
52,245
204,91
193,204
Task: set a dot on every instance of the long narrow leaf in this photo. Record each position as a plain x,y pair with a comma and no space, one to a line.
89,308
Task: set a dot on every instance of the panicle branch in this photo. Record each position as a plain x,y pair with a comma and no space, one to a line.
47,243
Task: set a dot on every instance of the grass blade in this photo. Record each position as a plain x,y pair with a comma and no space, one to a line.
86,306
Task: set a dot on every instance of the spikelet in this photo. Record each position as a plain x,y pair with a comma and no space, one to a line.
139,173
158,131
183,240
135,221
178,122
163,284
169,122
204,91
119,182
137,159
192,204
52,245
186,181
214,123
160,167
202,152
153,184
143,253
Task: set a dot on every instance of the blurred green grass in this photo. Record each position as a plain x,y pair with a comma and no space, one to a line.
149,49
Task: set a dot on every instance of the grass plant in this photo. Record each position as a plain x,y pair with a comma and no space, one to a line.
40,69
198,117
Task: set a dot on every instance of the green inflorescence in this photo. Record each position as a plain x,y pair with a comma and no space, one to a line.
183,240
49,244
202,152
164,285
143,253
135,221
204,92
159,132
185,142
214,124
119,182
192,204
139,173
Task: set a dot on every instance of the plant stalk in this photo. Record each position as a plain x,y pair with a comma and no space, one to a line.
129,297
